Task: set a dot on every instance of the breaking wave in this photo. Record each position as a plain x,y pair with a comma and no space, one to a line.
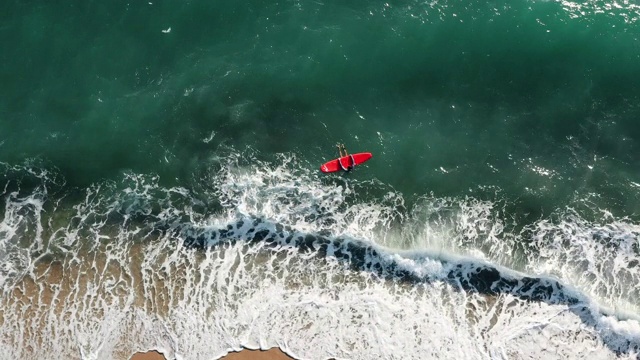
258,254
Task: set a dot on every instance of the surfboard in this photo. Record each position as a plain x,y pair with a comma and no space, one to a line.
344,162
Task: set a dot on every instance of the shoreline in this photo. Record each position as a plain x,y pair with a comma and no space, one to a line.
244,354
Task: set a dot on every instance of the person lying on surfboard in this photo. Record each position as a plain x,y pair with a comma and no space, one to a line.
346,162
342,150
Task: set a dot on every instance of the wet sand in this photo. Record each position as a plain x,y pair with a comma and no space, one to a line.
151,355
271,354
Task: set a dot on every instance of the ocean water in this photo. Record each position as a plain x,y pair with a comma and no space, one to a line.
160,183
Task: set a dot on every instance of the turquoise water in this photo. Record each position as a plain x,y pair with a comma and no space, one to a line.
528,106
448,96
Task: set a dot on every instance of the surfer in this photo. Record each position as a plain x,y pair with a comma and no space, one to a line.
346,162
342,150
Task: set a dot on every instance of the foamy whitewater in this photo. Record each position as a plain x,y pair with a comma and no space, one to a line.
273,254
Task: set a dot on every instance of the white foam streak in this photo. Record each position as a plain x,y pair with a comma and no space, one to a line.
629,11
601,259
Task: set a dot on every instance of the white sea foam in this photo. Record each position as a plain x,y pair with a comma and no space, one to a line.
109,275
600,258
627,10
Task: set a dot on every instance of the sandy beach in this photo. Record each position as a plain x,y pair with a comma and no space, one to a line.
271,354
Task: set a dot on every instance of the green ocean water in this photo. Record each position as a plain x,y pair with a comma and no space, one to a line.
159,175
536,98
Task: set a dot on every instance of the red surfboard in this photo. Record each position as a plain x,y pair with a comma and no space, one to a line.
344,162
